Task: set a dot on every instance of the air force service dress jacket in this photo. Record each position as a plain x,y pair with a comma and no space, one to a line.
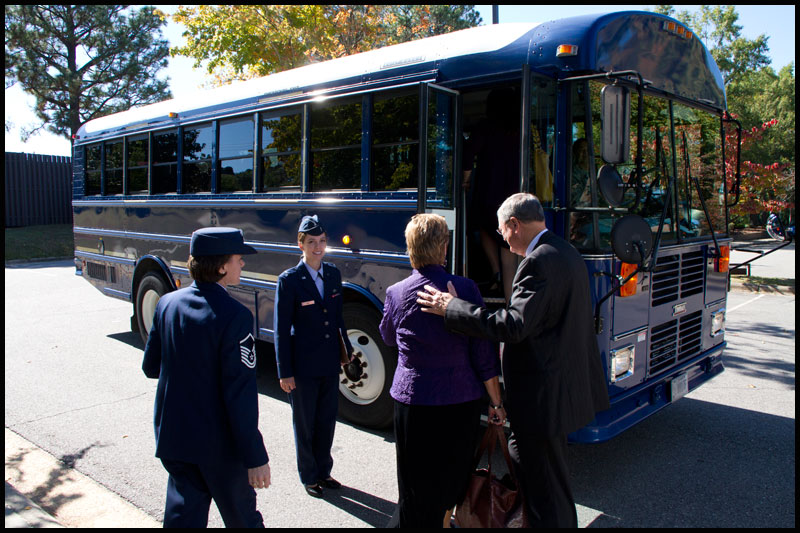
307,325
201,349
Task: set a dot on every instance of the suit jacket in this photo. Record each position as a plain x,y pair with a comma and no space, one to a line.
307,326
202,350
552,369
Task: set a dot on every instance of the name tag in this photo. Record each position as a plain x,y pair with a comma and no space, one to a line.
310,302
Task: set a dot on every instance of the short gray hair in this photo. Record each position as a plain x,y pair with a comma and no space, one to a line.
524,206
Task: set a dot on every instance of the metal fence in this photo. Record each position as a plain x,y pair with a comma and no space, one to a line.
38,189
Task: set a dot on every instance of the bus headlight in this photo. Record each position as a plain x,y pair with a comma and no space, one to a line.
717,322
621,363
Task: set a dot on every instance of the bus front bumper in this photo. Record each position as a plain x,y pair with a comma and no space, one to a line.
633,406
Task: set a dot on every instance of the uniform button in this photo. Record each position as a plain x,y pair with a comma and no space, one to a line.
325,323
324,310
327,336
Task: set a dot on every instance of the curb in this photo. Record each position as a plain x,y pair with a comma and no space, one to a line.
71,498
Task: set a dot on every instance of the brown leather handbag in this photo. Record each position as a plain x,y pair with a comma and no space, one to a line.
489,501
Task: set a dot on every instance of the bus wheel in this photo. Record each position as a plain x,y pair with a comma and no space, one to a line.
367,402
151,289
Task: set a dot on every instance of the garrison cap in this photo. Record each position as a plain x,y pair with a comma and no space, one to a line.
310,225
219,241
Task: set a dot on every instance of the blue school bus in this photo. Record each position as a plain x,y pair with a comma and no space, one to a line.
617,125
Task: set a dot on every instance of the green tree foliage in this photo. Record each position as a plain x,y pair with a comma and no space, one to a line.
246,41
84,61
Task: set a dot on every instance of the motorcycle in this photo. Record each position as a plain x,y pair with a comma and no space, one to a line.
777,230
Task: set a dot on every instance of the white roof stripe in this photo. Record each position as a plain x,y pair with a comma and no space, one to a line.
470,41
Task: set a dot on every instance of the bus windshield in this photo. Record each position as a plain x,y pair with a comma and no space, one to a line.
681,150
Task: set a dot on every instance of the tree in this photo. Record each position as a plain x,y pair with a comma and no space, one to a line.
81,62
246,41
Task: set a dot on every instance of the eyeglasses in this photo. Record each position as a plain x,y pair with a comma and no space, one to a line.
500,231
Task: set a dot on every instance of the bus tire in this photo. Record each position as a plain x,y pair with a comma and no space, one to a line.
151,289
367,401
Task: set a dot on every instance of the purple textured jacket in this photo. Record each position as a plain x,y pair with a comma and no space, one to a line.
434,366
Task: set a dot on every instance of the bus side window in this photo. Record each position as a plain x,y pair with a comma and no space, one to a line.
165,163
197,145
395,141
235,162
94,160
280,151
138,159
336,146
113,173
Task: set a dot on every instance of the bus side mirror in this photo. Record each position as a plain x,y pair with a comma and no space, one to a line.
616,124
631,239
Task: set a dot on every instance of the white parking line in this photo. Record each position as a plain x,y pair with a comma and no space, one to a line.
731,310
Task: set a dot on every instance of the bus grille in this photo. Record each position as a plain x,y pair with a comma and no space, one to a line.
678,276
675,341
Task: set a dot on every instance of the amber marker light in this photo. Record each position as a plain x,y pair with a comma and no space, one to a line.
629,289
723,261
346,240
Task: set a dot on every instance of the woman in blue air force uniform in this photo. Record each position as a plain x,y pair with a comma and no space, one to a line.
202,351
308,326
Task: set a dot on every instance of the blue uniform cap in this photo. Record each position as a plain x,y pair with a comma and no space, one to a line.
219,241
310,226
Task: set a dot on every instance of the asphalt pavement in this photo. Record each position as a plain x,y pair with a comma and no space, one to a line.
92,505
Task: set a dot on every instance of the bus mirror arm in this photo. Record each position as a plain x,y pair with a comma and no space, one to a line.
736,185
620,282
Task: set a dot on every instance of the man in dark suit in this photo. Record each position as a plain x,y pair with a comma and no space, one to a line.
552,370
202,351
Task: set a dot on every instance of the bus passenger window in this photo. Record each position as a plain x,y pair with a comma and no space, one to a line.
113,174
165,163
336,146
580,228
138,159
235,163
542,138
395,142
280,151
94,161
197,143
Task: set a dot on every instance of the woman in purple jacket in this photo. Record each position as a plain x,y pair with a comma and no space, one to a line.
438,384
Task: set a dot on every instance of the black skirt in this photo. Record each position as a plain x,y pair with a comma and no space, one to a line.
435,448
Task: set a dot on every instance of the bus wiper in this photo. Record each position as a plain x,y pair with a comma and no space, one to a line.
696,182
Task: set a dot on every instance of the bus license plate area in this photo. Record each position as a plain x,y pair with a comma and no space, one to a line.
678,387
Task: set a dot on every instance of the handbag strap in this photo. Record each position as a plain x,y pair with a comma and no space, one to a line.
491,437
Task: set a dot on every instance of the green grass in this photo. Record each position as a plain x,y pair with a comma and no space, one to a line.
39,242
758,280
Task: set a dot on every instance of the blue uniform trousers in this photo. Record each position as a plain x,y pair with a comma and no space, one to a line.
315,403
191,487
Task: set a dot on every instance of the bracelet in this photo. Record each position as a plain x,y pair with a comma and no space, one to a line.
496,407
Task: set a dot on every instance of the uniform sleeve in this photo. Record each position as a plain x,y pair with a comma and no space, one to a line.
151,364
240,389
283,317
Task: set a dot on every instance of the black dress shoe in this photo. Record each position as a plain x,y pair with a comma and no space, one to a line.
329,483
314,490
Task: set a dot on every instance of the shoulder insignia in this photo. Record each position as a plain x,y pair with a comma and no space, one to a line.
248,348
